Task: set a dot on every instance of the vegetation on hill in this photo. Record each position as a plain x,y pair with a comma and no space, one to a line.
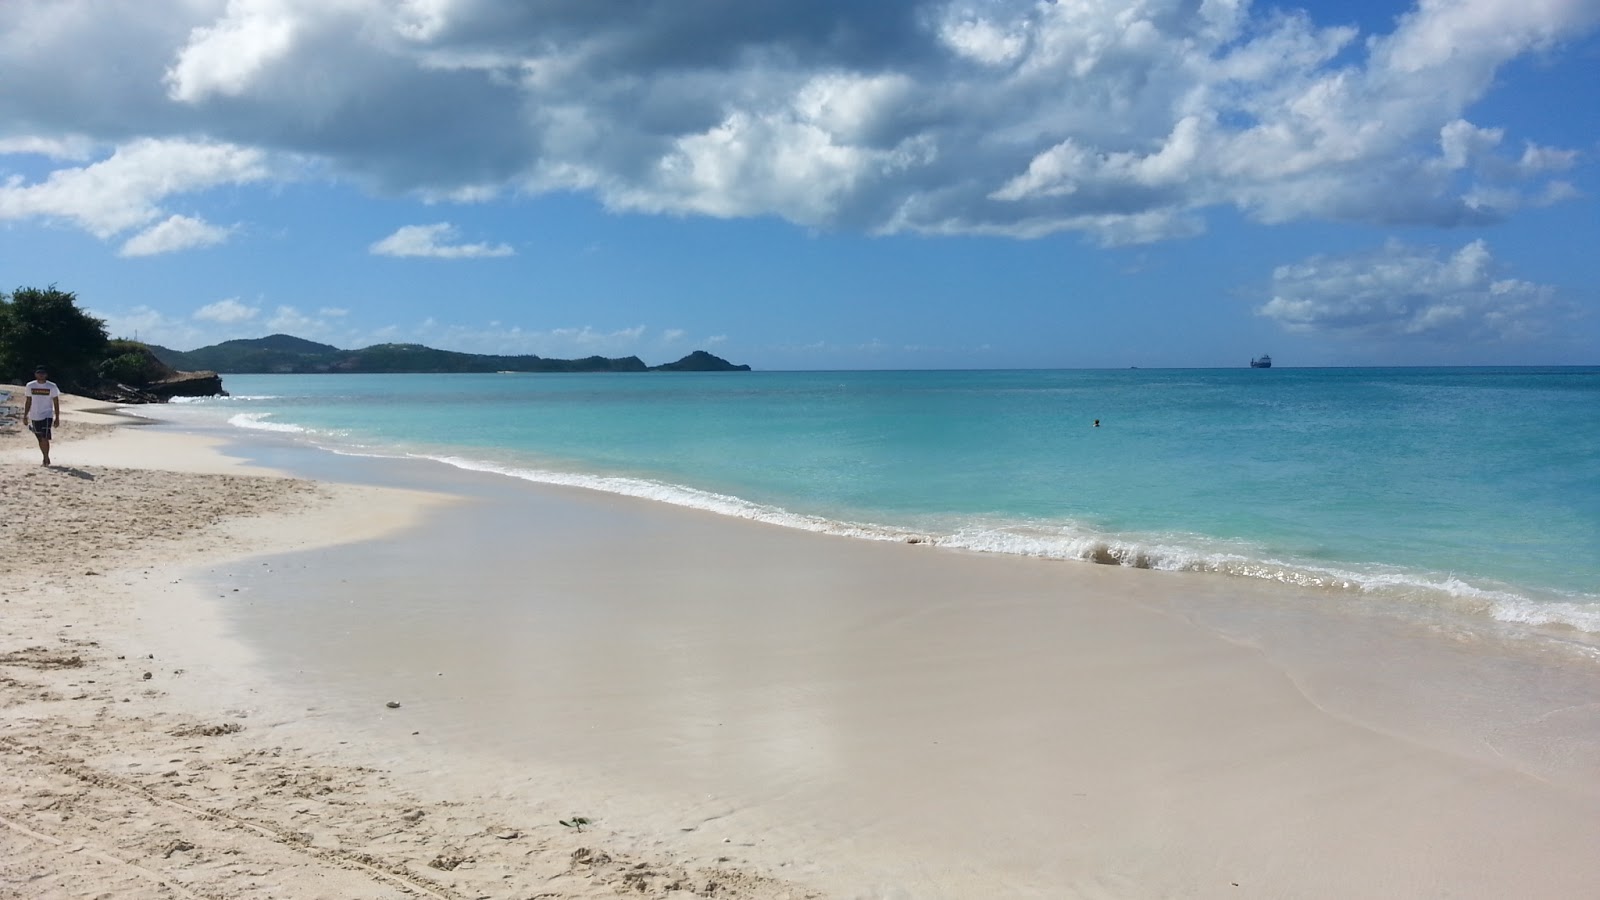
701,361
282,353
44,326
130,362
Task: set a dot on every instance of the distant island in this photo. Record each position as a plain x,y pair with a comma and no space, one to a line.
286,354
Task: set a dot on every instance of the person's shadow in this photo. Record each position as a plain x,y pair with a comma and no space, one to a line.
75,473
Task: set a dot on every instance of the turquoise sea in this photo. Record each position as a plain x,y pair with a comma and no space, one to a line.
1474,491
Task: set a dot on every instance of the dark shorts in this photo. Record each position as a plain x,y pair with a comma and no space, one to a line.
41,428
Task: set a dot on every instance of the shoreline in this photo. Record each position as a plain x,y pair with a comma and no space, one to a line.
1008,683
1560,610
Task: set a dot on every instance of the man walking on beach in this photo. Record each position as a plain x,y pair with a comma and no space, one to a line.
41,406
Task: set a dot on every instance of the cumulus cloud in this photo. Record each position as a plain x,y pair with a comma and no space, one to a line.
434,241
226,56
497,337
125,190
175,233
595,341
1403,292
1123,120
562,342
68,148
225,320
291,320
227,311
145,324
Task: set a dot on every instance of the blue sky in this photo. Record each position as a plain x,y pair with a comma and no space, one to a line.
802,184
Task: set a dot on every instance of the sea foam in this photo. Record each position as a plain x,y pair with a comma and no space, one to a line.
1074,544
258,422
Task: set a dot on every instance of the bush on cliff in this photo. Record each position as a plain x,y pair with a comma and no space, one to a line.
46,327
133,363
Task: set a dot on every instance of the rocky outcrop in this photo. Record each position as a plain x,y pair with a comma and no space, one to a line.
180,384
187,384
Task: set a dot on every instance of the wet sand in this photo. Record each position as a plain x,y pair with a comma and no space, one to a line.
893,720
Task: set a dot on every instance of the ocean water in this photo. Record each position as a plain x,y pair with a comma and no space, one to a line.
1475,491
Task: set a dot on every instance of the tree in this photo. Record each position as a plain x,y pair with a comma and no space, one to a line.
46,327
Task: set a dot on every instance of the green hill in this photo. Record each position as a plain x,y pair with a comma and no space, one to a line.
700,361
283,353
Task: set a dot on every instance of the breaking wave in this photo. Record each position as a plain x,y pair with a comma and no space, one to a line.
1072,543
1060,541
258,422
231,398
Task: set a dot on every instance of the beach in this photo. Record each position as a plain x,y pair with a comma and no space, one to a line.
142,759
198,658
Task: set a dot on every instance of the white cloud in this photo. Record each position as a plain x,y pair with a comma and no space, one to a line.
512,340
593,341
221,321
175,233
290,320
125,190
560,343
71,148
1403,292
1461,143
147,325
1536,159
981,40
434,241
228,312
225,57
1123,120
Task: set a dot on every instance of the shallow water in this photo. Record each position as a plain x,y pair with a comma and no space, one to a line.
1470,491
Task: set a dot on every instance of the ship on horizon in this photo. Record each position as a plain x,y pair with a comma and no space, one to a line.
1262,362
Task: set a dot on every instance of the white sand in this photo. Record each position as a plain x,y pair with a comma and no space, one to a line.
775,713
141,749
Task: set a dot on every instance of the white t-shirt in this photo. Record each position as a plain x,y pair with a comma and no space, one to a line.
44,394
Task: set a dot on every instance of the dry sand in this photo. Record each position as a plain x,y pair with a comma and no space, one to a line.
728,701
128,767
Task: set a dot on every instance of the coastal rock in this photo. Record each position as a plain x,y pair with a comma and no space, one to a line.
188,384
180,384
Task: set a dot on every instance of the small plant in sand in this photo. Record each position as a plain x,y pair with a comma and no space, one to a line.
576,822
